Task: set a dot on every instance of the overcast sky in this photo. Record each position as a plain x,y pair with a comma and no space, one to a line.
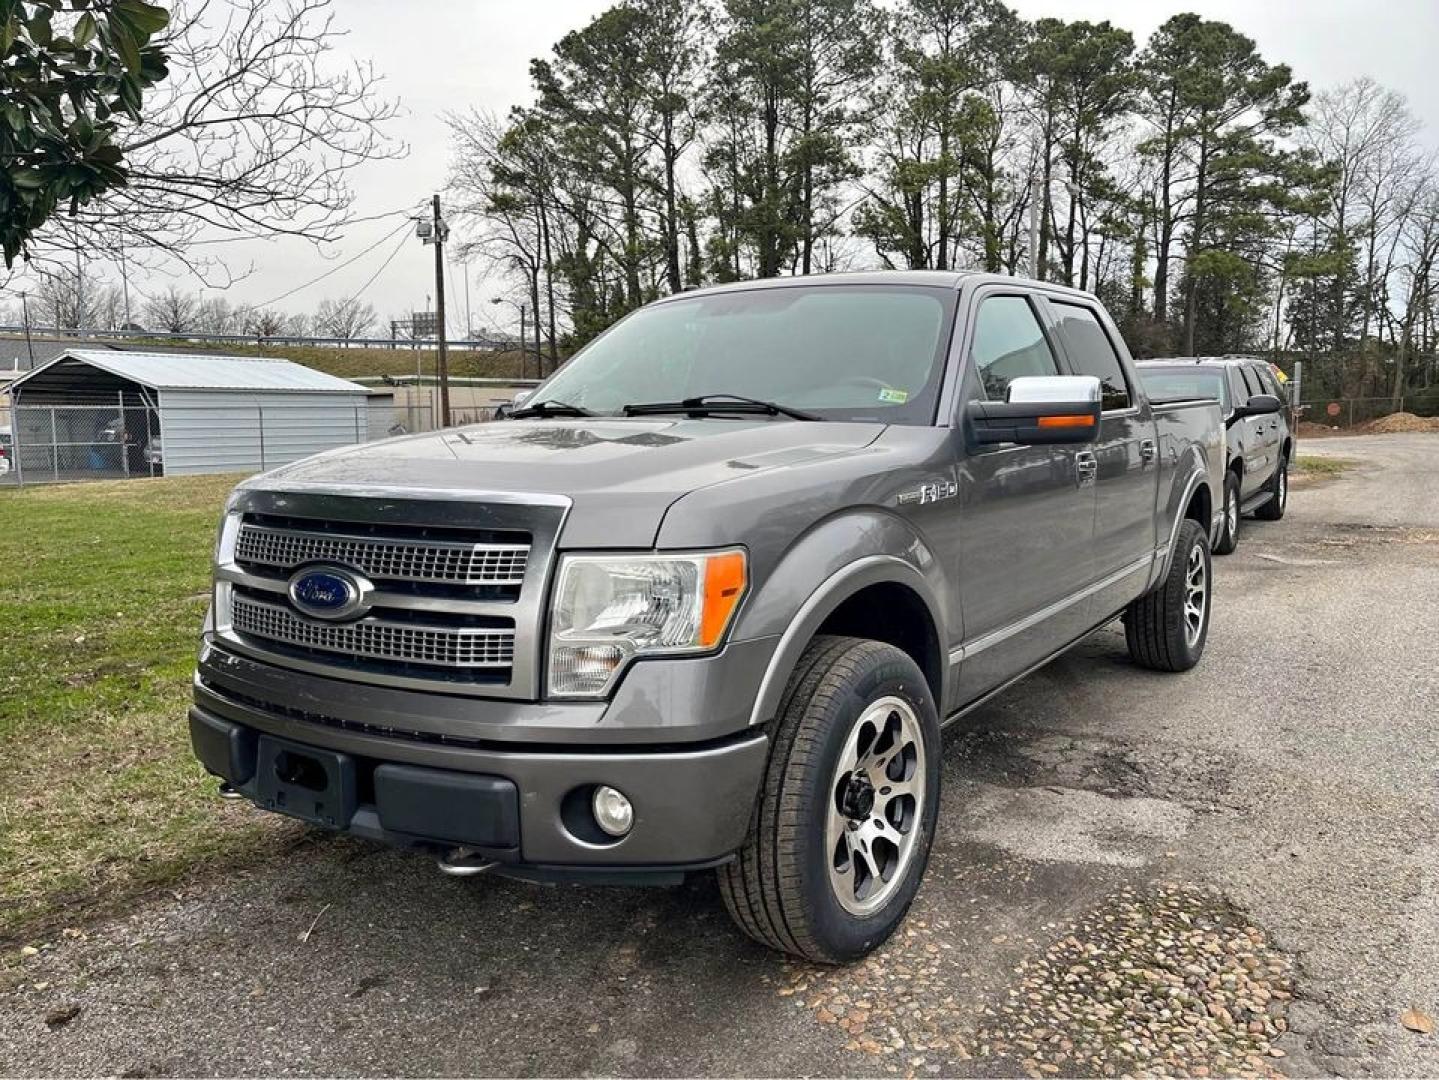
440,55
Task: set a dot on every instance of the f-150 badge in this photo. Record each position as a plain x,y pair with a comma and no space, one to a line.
930,492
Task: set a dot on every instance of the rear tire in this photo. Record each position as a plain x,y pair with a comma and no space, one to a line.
1273,508
841,833
1166,628
1229,523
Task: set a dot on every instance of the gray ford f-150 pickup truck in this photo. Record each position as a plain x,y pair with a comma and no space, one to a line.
709,595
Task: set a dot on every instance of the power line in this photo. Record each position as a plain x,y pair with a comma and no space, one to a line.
406,210
389,259
333,270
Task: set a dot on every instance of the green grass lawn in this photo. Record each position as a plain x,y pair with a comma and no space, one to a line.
102,591
1315,465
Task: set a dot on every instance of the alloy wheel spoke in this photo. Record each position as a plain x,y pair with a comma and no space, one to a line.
861,849
869,839
894,789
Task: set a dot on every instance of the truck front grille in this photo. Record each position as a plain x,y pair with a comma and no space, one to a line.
450,647
456,586
424,560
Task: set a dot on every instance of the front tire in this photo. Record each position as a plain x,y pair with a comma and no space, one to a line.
1166,628
1229,528
1273,508
840,837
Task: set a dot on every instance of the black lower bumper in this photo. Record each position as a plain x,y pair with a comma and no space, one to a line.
526,810
404,804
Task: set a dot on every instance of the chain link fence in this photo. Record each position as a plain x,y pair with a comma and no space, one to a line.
1357,413
48,444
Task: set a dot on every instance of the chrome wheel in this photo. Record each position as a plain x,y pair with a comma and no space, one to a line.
1195,588
873,821
1231,513
1283,494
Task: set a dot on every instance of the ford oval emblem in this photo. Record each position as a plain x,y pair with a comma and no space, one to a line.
329,592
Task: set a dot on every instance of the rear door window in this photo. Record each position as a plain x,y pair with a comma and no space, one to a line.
1271,384
1251,380
1092,353
1008,343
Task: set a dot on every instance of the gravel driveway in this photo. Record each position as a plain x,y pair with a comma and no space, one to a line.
1232,870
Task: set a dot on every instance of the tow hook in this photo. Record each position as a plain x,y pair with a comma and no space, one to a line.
464,862
229,791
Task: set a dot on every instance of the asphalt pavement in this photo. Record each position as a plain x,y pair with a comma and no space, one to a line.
1231,870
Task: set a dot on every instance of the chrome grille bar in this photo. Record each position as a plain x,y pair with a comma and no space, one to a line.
458,647
392,559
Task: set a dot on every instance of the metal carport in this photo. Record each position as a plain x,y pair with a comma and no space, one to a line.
99,412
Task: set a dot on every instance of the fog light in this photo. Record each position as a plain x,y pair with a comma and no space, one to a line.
613,812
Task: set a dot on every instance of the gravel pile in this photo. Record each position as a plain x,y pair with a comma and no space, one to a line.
1172,982
1401,421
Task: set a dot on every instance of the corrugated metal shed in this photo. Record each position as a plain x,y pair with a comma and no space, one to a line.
191,413
182,371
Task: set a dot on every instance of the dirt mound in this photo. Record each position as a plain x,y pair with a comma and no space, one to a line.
1400,421
1309,429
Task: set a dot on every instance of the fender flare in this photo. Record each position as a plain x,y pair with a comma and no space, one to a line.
821,603
1198,478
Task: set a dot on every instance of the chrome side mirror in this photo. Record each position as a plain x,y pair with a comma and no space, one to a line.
1038,410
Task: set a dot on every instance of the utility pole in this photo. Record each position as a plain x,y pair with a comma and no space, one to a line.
442,361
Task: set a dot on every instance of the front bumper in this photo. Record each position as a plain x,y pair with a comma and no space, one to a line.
521,805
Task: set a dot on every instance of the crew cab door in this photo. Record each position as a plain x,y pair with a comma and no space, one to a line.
1271,425
1126,456
1256,443
1025,513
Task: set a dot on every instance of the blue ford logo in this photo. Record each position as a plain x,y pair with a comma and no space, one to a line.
329,592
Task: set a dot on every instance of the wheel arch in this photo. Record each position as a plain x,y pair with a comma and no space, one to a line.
881,597
1192,501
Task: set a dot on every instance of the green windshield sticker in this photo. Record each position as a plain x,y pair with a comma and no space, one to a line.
893,397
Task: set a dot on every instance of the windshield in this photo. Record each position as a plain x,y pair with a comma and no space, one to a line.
1185,384
845,352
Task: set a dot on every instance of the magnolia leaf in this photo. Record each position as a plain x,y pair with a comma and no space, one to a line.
84,31
147,19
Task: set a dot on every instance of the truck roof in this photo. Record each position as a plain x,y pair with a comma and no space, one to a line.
944,279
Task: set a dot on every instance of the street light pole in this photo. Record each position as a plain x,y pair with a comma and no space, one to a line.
125,283
29,345
469,322
524,310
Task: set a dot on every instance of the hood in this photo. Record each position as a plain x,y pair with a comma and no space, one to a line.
620,474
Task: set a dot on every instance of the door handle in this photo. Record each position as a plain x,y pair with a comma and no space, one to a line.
1146,450
1087,467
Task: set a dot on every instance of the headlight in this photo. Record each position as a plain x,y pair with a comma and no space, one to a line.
609,608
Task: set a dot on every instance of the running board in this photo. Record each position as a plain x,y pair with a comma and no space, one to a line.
1254,502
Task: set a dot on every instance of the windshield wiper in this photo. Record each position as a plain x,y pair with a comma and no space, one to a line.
717,403
548,407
